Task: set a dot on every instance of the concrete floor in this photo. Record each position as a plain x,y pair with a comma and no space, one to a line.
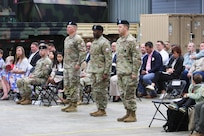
35,120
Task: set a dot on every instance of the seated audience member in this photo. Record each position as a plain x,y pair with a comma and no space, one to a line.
200,54
3,74
199,119
2,63
161,50
34,53
188,62
196,68
56,75
143,51
173,71
53,57
113,87
198,65
38,76
88,46
85,77
21,65
151,63
167,47
195,95
51,47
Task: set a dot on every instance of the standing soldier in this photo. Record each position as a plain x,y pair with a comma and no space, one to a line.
74,54
100,64
128,64
38,76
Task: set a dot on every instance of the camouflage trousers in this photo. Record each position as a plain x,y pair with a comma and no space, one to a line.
71,84
99,88
128,87
25,84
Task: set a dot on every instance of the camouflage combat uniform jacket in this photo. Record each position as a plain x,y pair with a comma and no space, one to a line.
128,57
74,51
42,68
101,58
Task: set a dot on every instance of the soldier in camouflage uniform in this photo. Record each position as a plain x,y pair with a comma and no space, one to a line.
38,76
99,69
128,64
74,55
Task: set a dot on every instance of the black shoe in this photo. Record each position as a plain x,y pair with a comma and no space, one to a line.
118,100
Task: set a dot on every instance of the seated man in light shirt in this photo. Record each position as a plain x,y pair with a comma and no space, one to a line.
188,62
161,49
151,63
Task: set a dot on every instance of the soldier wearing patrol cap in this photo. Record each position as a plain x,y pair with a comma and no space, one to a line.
99,69
74,54
128,63
38,76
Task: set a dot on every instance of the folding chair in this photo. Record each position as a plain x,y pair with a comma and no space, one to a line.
176,87
46,94
157,105
87,93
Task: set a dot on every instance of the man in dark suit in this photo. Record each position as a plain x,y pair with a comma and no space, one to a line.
152,62
34,55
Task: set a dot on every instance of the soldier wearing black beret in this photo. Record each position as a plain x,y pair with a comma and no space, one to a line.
128,64
97,27
71,23
42,46
74,54
124,22
99,69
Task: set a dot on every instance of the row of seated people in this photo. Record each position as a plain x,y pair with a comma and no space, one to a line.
13,70
154,75
189,68
18,76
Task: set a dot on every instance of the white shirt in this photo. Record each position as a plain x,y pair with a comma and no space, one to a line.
165,56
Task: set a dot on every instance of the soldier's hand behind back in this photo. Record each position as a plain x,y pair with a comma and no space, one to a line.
105,76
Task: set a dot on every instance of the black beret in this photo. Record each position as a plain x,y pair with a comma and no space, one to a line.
71,23
97,27
42,46
125,22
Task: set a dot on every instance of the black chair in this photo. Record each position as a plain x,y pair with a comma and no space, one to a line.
175,88
46,94
157,104
87,94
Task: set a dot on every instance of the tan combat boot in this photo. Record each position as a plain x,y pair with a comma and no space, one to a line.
93,113
72,108
27,101
23,99
99,113
66,101
131,117
63,109
124,117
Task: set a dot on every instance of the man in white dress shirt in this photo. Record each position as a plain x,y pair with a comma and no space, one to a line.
163,53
